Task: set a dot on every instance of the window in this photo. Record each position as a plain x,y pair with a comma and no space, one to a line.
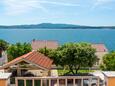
20,82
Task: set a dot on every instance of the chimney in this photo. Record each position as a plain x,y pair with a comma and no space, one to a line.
34,40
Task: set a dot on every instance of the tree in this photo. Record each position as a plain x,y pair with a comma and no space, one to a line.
45,51
18,49
77,55
51,53
108,62
72,55
3,44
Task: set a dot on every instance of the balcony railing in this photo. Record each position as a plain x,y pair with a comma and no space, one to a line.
58,81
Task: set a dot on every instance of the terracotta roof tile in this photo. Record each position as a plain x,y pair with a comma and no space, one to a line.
37,44
100,47
33,57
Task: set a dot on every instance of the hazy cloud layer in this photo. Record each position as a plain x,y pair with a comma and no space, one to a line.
14,7
20,6
102,3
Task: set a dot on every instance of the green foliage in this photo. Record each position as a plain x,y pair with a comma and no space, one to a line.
108,62
3,44
18,49
45,51
62,72
72,56
51,53
77,55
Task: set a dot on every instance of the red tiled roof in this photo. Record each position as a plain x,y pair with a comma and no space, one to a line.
37,44
100,47
33,57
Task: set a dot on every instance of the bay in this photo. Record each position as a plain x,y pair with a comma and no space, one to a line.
105,36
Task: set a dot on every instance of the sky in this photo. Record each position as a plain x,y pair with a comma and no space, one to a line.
79,12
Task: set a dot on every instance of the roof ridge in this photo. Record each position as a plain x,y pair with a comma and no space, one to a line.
25,55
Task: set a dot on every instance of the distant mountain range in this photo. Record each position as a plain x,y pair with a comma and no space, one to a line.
55,26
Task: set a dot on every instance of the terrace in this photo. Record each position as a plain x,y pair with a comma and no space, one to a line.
32,64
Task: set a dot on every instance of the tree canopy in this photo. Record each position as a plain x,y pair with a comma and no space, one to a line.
77,55
73,55
3,44
18,49
51,53
108,62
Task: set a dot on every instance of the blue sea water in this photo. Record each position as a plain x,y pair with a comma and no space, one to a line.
106,36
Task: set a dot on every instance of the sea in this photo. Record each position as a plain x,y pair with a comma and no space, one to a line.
105,36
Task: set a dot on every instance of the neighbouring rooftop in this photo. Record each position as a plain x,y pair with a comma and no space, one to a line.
50,44
99,74
100,47
4,75
109,73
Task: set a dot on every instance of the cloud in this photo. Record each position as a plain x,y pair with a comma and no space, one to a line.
102,3
59,3
16,7
21,6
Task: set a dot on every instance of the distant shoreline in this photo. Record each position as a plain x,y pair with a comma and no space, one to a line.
55,26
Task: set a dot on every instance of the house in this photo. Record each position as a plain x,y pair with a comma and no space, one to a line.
101,50
50,44
30,64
